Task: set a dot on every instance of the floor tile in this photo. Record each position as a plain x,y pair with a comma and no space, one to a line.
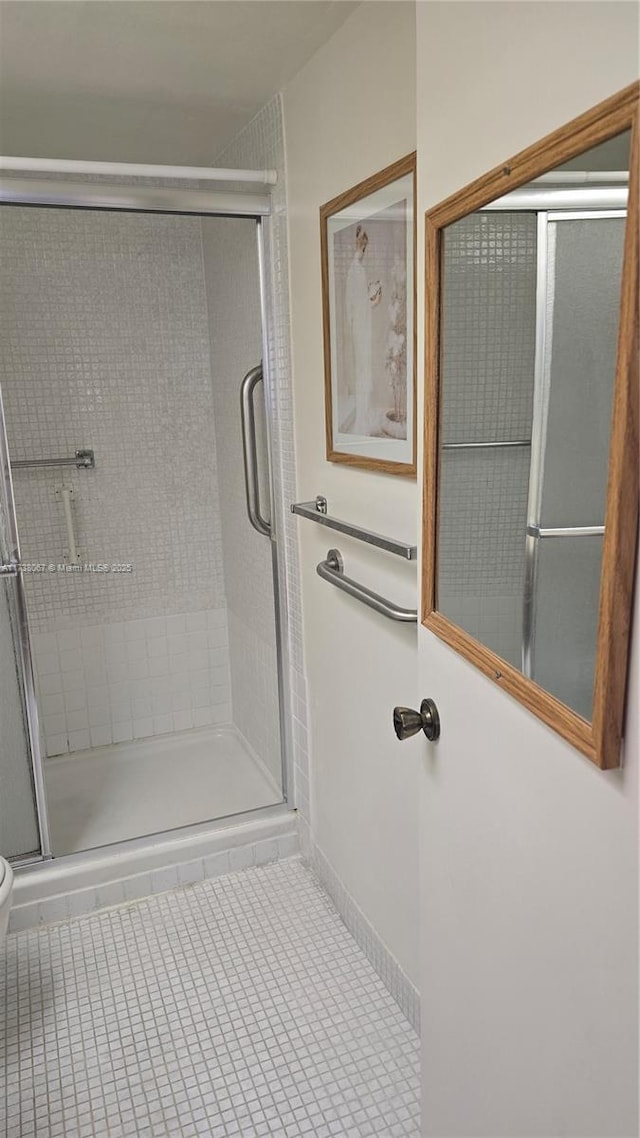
236,1008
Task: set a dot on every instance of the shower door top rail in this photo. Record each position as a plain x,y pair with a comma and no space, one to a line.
132,198
83,460
316,511
135,170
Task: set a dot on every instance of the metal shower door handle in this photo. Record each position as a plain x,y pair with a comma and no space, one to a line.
250,450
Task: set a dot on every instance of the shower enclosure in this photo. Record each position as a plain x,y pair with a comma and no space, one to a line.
141,621
530,321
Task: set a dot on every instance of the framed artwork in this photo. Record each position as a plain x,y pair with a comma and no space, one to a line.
368,300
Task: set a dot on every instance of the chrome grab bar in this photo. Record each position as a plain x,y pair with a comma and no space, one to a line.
332,570
83,460
317,512
250,451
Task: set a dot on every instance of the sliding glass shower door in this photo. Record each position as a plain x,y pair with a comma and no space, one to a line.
529,342
20,833
582,255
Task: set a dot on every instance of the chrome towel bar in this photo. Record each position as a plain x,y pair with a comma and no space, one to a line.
83,460
332,570
317,512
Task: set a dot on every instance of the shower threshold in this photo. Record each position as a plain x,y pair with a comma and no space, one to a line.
148,786
78,884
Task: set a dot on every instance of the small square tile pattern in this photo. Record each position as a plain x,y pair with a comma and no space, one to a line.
260,145
109,683
235,1008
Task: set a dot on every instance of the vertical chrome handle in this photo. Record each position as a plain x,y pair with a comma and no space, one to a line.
250,451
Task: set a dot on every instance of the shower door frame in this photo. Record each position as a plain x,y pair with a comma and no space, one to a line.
535,531
115,198
551,204
24,659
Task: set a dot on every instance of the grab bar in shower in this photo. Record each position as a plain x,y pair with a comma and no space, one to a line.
83,460
250,450
332,570
317,512
65,495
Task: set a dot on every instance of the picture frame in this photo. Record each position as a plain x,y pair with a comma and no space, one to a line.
368,251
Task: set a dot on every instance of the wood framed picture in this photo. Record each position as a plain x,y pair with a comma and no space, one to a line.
368,299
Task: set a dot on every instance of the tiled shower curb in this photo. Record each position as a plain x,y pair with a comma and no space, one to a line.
81,884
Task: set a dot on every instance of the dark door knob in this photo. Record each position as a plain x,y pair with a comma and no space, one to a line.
407,722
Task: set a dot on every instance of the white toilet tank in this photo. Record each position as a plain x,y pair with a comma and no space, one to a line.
6,889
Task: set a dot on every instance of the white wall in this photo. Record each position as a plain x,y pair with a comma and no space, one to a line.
529,891
348,113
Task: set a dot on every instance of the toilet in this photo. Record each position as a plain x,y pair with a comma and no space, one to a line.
6,888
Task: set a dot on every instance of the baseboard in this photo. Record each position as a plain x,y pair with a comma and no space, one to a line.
389,970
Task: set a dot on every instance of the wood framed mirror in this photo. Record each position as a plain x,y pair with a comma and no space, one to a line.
531,423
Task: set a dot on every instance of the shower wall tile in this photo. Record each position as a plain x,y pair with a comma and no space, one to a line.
231,273
233,296
104,343
254,686
261,145
109,683
489,359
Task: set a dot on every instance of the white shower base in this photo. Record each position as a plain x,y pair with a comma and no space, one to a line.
127,790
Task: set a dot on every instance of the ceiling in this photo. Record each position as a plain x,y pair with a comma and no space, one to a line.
161,81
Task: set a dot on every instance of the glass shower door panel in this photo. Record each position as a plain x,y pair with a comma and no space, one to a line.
235,318
567,618
585,258
19,833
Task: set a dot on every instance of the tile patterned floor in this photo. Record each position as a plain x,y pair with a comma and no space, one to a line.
236,1008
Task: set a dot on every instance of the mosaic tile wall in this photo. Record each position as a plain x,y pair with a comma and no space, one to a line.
489,352
261,146
109,683
104,343
254,685
233,296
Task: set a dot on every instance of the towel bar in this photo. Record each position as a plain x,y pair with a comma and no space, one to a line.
317,512
83,459
332,570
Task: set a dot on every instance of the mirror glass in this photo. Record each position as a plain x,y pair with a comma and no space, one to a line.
529,321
